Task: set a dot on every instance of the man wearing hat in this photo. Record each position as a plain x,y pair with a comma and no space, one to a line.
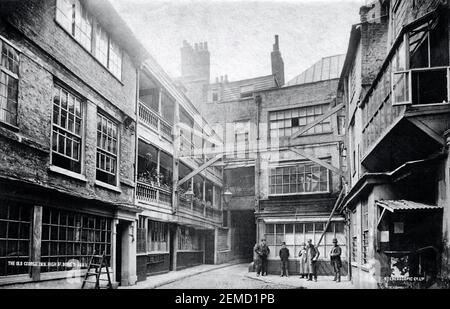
261,251
335,257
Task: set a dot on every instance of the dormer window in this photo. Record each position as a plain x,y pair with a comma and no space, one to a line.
247,91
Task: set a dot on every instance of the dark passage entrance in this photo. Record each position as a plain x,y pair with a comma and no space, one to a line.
243,221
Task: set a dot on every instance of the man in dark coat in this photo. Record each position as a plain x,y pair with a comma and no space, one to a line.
335,257
284,257
261,253
312,254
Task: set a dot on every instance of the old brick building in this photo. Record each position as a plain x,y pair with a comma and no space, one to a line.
299,171
395,87
67,138
230,108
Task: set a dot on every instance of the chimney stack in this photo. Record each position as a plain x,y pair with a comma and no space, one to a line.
277,63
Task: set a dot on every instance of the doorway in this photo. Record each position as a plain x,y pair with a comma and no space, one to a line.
119,232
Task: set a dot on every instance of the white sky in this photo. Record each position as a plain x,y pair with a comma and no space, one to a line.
240,33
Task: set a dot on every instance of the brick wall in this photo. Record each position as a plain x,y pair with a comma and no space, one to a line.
50,54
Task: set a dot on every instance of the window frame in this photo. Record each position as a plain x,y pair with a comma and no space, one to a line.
302,164
82,130
76,33
101,113
15,76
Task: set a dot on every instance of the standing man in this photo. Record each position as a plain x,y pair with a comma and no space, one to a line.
312,254
335,258
284,257
261,253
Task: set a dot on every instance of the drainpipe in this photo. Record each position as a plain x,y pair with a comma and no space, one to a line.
258,102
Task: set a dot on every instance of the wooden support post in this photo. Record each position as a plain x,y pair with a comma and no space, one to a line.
176,162
36,242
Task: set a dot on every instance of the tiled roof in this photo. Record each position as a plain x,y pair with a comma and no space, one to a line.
393,205
232,90
325,69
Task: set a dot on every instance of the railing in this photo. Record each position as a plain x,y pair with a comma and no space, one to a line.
155,121
153,194
199,208
186,146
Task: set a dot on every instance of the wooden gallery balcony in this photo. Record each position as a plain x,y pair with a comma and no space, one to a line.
155,122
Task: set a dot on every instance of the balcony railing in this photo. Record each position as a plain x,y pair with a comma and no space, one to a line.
152,193
387,102
199,208
155,121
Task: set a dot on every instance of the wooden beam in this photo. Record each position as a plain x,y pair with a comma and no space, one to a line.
187,128
200,169
336,204
319,161
381,217
433,134
318,120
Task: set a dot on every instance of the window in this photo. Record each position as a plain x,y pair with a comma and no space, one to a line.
68,236
115,59
15,235
101,45
9,83
296,234
247,91
107,140
365,232
83,27
66,130
241,139
141,243
158,240
354,238
74,18
188,239
285,123
301,178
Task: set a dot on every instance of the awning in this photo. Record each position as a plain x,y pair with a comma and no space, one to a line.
403,205
301,220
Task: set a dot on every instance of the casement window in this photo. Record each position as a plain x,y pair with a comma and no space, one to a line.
285,123
107,144
302,178
365,232
74,18
188,239
157,236
9,83
15,235
67,130
296,234
72,237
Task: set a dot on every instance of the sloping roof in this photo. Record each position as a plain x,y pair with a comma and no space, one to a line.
393,205
325,69
232,90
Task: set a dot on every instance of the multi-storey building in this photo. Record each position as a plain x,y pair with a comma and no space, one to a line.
395,86
300,173
99,151
68,87
180,194
230,108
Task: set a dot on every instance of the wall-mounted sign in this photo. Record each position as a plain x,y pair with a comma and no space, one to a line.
398,228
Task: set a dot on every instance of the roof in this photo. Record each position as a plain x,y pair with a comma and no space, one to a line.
325,69
301,219
396,205
232,90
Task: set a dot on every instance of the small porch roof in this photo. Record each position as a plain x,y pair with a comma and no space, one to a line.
404,205
300,219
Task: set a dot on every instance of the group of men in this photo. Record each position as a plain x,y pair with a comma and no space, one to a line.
308,255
